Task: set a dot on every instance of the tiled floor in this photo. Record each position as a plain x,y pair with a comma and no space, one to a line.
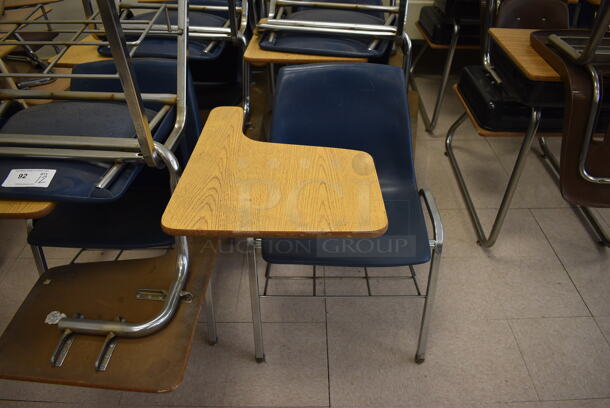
525,324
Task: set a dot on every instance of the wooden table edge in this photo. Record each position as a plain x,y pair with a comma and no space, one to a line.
39,209
494,34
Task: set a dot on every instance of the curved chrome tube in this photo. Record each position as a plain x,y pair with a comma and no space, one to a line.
126,329
586,143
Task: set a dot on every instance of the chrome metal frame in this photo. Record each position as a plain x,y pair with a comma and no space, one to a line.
430,124
436,245
484,240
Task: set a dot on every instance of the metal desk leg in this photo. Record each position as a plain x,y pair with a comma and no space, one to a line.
209,312
599,232
37,252
257,325
246,80
440,97
526,146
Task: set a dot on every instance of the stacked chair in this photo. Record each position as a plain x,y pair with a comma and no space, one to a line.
446,25
218,37
302,31
111,150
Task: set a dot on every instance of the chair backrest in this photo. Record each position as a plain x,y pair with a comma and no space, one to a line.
584,157
533,14
348,106
538,14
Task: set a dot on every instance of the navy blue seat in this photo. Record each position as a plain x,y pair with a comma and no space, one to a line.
75,181
133,220
324,44
353,108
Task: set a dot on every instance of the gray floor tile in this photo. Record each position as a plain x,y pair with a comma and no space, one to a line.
371,364
484,175
604,325
537,187
23,404
586,262
520,236
567,358
534,287
18,390
232,294
13,239
590,403
295,373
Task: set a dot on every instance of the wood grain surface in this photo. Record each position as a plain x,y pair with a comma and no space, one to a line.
516,44
105,290
25,209
234,186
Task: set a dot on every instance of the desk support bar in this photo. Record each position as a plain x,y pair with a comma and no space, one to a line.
430,124
483,240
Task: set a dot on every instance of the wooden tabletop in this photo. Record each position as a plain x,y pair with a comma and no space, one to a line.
154,363
516,43
80,54
25,3
234,186
255,55
25,209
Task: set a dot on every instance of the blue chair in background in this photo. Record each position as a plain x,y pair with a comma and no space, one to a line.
361,107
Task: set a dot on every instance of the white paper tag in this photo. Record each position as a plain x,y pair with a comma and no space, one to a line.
29,178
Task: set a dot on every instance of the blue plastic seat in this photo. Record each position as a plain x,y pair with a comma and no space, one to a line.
132,220
75,181
361,107
324,44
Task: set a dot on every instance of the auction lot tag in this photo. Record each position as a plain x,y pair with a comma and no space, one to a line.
29,178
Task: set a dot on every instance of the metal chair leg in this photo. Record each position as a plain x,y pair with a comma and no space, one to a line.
246,81
212,334
422,342
483,240
37,252
430,124
257,325
599,232
437,249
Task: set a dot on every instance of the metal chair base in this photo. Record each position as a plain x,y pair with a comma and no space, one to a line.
484,240
436,246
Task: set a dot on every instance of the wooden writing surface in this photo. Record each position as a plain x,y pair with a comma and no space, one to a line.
234,186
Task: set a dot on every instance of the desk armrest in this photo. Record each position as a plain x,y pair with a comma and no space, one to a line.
235,186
